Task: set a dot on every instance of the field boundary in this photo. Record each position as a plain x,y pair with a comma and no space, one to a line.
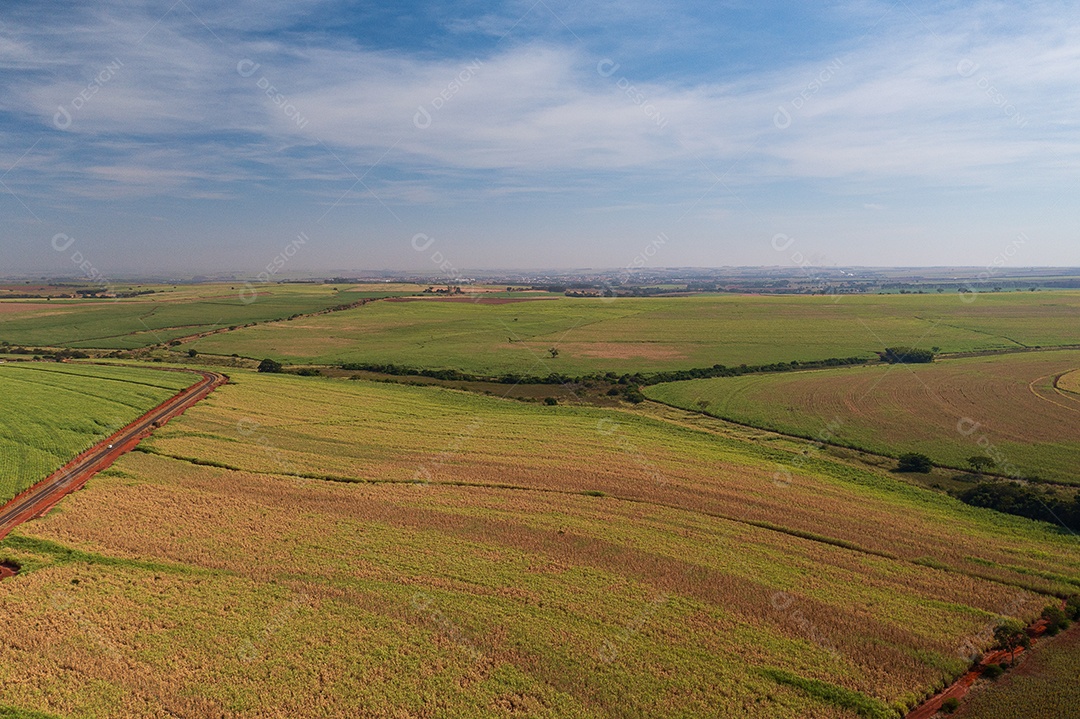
959,688
1041,481
39,498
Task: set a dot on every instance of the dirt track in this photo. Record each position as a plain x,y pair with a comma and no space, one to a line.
43,496
960,687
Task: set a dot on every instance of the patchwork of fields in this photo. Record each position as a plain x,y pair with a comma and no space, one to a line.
1006,407
647,335
302,547
52,412
169,313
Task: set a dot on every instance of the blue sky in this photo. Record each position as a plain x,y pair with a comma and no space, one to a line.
191,136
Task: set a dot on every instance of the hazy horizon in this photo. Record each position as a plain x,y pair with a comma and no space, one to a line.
180,139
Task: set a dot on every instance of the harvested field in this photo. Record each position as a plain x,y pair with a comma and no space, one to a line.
1003,406
477,300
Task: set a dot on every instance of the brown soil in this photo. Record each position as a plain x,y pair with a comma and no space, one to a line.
470,300
961,686
17,306
622,350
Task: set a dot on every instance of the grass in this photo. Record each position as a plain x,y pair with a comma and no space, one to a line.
632,335
492,558
1004,406
52,412
171,312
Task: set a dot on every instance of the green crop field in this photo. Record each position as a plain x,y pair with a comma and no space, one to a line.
169,313
1006,407
645,335
310,547
52,412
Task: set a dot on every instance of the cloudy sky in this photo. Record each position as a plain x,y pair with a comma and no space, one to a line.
188,136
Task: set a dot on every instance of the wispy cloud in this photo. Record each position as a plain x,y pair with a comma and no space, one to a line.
203,101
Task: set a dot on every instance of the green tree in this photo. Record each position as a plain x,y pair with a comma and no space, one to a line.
914,462
979,463
269,365
1056,619
1010,636
1072,607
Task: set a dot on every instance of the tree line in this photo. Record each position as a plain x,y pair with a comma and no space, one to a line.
1025,500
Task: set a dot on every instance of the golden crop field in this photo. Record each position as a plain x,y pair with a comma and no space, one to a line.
1006,407
298,547
1070,382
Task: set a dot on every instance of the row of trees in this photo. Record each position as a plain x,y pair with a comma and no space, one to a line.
907,355
1011,634
1025,500
636,379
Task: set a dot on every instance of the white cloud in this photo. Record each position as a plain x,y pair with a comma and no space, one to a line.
538,113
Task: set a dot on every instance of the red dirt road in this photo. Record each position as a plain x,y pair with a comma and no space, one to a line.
960,687
43,496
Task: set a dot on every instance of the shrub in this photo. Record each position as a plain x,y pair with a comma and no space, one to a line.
993,671
950,705
269,365
914,462
1072,607
550,401
1026,500
906,355
1056,619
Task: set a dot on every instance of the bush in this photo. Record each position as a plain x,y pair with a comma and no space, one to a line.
192,353
950,705
1027,500
906,355
550,401
914,462
993,671
1056,619
1072,607
269,365
309,372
